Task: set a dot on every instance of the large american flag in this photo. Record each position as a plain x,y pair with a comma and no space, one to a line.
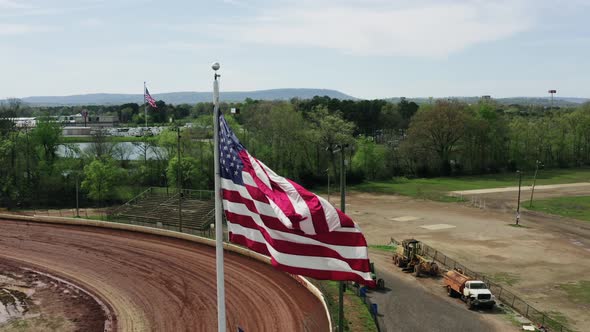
301,232
148,98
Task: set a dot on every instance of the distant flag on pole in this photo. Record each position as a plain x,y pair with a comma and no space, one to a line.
301,232
149,99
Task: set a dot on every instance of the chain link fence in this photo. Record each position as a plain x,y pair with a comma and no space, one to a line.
503,294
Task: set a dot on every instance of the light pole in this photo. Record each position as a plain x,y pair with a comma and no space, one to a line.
340,148
538,163
518,202
179,181
328,172
77,200
343,209
67,174
552,92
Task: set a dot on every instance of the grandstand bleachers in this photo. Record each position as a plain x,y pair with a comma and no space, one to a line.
156,207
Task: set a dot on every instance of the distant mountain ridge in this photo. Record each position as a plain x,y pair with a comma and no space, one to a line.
538,101
189,97
182,97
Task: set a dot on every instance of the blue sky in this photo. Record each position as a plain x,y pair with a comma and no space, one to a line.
368,49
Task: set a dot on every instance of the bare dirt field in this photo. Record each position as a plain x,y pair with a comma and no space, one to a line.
161,284
535,260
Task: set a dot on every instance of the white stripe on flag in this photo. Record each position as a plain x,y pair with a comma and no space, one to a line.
308,262
297,201
352,252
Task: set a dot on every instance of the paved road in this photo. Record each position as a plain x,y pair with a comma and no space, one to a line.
523,188
419,305
154,283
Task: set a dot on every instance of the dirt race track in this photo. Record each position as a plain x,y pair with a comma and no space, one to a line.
154,283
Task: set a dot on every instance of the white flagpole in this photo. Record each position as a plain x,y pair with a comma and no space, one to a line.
144,105
218,209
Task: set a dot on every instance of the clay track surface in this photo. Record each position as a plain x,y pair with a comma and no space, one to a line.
154,283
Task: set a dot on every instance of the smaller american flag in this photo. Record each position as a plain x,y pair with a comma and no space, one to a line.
148,98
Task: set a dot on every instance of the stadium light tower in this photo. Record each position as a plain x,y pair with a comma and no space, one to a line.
552,92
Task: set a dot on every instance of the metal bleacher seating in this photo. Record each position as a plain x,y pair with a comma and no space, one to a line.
160,209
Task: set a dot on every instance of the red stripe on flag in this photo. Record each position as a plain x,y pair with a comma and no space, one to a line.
334,238
323,274
318,215
313,273
300,249
253,245
345,220
275,193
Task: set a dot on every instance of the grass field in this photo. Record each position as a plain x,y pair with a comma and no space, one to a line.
383,247
579,292
577,207
437,188
356,314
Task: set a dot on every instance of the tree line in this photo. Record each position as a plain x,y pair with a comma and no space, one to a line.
300,139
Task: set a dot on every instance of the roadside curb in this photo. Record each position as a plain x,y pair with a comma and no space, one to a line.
167,233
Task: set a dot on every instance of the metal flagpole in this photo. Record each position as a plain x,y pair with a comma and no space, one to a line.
218,210
144,105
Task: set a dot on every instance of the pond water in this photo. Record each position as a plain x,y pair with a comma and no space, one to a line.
119,151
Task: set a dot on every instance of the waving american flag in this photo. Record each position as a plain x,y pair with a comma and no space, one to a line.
148,99
301,232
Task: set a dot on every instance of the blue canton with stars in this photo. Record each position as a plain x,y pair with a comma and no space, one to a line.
230,164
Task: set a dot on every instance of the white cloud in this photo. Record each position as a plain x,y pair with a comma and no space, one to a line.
20,29
92,22
14,4
374,27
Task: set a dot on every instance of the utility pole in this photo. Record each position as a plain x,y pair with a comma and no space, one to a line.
77,200
534,181
343,209
328,172
518,202
179,180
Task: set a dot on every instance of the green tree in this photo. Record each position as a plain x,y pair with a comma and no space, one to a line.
484,147
390,117
192,173
439,130
100,178
274,132
407,109
47,135
331,132
370,158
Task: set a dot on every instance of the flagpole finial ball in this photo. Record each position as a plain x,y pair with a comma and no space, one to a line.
215,66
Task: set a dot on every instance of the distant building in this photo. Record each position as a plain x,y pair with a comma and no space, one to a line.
78,120
76,131
24,122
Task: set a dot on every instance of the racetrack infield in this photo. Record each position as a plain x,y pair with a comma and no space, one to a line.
155,283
